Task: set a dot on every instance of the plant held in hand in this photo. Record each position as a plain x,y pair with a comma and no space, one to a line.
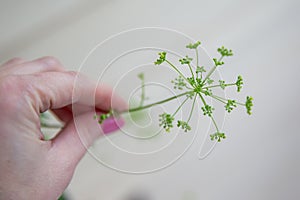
198,85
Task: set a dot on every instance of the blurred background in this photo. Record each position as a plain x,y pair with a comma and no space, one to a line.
261,157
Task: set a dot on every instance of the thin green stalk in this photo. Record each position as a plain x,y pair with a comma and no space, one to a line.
191,71
154,104
197,57
189,88
44,125
202,99
224,99
192,109
209,73
241,104
180,107
213,86
214,122
143,93
212,70
211,117
197,62
220,97
217,98
175,68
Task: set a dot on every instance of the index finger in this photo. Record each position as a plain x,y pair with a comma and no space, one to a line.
59,89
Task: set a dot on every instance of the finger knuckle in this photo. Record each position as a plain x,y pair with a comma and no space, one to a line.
11,90
15,60
50,61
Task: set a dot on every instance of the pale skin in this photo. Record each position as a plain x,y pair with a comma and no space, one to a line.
31,167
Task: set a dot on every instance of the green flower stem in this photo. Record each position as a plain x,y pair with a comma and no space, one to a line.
212,70
211,117
219,99
223,100
154,104
215,124
191,71
197,62
241,104
192,109
213,86
202,99
180,107
189,88
197,59
44,125
175,68
143,93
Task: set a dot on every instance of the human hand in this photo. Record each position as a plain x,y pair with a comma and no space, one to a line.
30,167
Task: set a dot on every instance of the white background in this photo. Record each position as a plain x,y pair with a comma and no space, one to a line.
260,158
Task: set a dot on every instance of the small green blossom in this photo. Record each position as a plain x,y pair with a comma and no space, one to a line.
103,117
166,121
217,136
199,82
218,62
191,81
239,83
200,69
185,61
161,59
207,110
190,95
193,46
141,76
230,105
225,52
179,83
208,92
209,81
184,125
249,104
222,84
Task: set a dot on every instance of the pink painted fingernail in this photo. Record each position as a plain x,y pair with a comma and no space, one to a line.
112,124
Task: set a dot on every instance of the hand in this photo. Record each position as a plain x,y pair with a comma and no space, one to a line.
30,167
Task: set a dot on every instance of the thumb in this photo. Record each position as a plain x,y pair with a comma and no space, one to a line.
79,134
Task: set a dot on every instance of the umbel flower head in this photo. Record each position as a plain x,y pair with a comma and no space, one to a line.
198,85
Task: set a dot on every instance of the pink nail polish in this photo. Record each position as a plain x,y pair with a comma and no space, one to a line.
112,124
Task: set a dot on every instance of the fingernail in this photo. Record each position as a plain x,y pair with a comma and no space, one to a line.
112,124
